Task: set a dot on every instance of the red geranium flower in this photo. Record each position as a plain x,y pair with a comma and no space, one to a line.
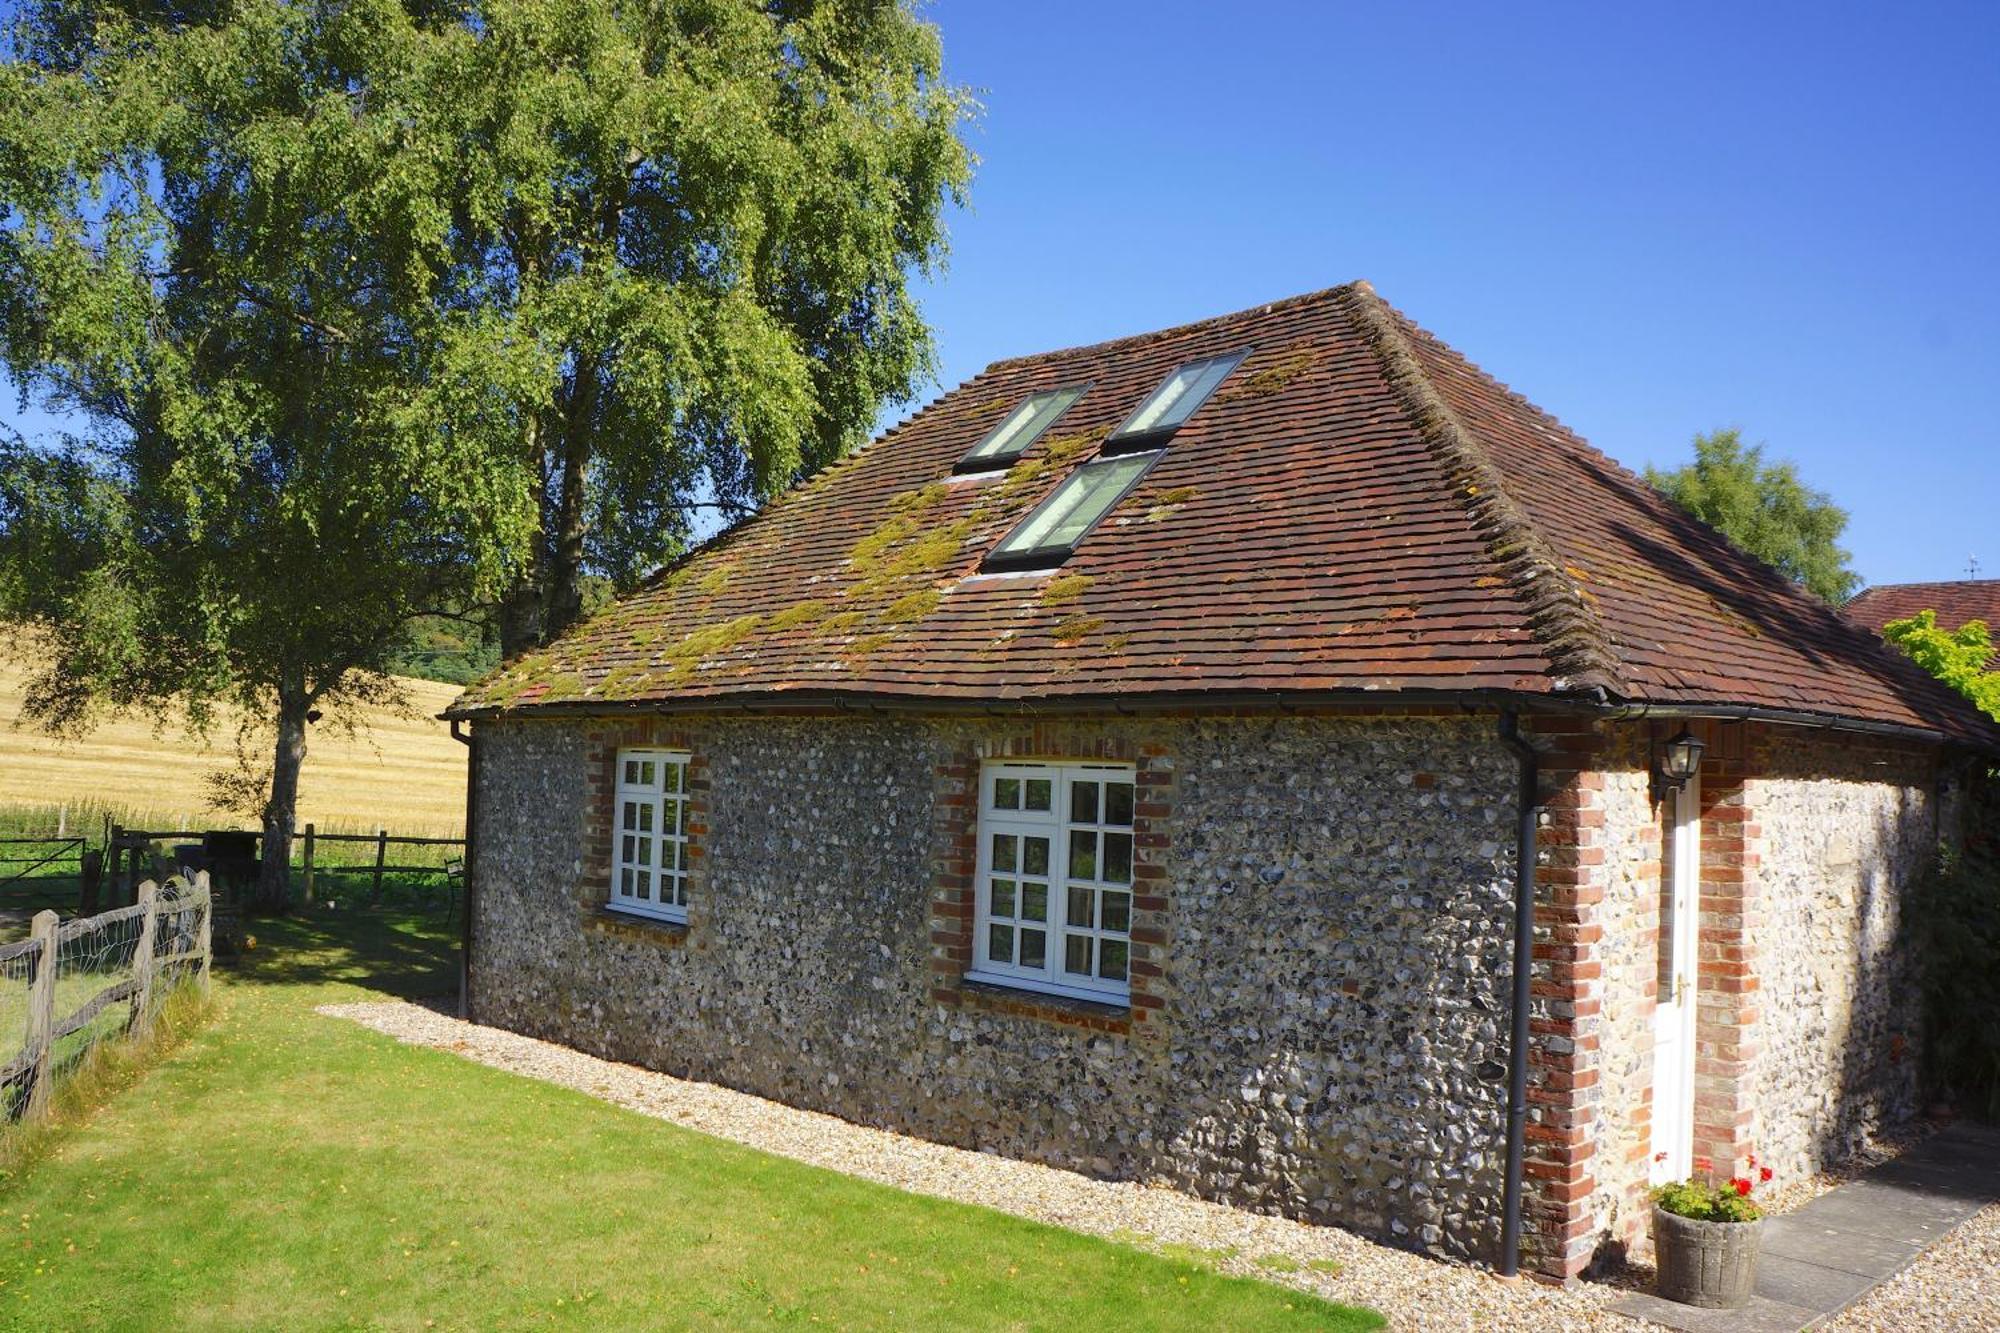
1764,1173
1742,1186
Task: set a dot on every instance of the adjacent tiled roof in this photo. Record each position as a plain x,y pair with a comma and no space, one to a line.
1955,603
1358,508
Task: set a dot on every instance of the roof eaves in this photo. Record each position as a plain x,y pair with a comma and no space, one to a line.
1560,616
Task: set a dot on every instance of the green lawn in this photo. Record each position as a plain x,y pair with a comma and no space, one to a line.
287,1170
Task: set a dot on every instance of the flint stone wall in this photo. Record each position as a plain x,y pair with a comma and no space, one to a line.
1332,1039
1846,826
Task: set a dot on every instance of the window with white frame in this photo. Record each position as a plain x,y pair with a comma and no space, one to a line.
1055,878
650,843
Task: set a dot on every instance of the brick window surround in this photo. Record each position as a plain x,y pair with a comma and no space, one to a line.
955,858
593,891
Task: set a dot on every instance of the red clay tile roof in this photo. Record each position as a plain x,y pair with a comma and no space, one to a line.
1955,603
1358,508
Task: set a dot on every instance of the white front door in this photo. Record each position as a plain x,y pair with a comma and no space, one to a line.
1673,1018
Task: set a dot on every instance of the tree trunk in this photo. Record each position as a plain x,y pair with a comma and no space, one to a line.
521,617
572,523
274,872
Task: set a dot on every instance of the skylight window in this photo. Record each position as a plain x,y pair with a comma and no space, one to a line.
1173,402
1021,428
1049,535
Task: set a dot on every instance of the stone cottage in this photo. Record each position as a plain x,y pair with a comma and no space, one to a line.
1121,764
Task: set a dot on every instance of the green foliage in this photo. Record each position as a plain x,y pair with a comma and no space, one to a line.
1707,1201
381,310
1955,912
689,228
1766,510
455,648
1959,657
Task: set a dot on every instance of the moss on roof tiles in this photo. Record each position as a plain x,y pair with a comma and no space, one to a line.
1064,588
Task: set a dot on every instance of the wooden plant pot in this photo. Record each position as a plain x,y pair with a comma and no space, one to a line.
1709,1264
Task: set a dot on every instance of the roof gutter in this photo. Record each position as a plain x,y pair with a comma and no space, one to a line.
1593,702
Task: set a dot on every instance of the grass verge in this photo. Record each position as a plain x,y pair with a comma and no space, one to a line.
285,1169
92,1082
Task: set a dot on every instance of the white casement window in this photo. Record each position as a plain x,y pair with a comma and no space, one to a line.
1055,879
650,843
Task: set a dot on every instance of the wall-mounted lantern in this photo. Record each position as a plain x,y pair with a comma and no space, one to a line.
1679,761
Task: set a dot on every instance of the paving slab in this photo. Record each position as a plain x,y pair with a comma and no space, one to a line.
1762,1315
1801,1238
1809,1286
1822,1257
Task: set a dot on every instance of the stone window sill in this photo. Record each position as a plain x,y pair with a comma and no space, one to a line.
631,926
1092,1014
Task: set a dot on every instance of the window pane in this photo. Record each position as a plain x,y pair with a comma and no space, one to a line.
1034,949
1005,849
1076,954
1118,858
1003,897
646,818
642,885
1184,391
673,776
625,847
631,819
1035,856
1117,909
1083,802
1025,424
646,773
1111,960
1034,902
645,856
1118,803
1006,793
1000,943
1079,502
1039,793
1083,854
1081,909
681,857
625,882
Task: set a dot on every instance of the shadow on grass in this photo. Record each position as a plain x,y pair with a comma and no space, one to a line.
408,955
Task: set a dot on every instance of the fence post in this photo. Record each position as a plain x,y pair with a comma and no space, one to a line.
142,959
381,859
205,938
90,879
112,857
309,865
41,1015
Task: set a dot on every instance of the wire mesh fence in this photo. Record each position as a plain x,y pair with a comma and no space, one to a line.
73,984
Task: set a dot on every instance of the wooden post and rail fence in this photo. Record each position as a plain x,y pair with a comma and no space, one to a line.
174,936
231,858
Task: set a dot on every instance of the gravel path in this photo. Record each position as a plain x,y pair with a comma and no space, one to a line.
1415,1292
1953,1288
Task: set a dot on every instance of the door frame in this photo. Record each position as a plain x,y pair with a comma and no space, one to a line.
1672,1148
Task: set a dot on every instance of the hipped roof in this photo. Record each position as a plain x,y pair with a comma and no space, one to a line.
1358,510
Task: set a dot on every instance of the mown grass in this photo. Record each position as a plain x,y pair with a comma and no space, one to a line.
289,1170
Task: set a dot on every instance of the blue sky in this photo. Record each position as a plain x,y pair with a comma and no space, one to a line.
1651,220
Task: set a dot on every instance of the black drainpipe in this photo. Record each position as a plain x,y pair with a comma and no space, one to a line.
471,743
1524,955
